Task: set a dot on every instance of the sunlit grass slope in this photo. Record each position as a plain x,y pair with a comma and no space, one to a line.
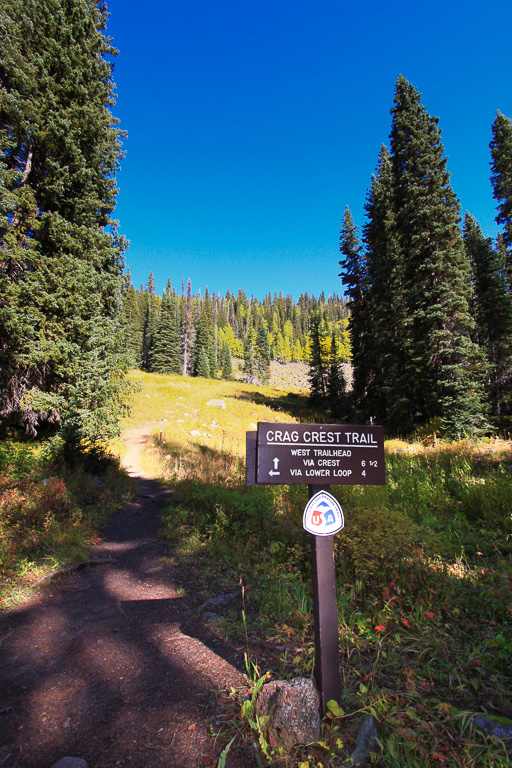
195,432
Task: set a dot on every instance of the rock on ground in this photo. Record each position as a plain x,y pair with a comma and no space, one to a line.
293,711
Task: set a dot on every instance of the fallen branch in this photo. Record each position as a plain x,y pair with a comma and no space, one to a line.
272,647
76,567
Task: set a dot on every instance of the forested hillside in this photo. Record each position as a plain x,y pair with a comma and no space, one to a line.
195,335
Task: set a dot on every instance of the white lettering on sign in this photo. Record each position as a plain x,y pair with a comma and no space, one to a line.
293,438
329,452
278,436
360,438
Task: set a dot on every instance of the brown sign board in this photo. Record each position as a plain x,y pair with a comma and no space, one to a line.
315,454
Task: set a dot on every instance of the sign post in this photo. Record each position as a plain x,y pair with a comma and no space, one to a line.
319,455
325,613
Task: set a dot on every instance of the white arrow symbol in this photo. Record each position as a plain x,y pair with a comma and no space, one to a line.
272,473
276,463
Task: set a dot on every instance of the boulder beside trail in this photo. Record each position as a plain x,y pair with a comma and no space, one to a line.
293,711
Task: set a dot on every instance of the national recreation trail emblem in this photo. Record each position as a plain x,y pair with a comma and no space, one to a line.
323,515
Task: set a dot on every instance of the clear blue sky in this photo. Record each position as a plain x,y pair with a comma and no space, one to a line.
251,125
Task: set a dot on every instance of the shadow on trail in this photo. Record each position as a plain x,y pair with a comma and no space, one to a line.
112,663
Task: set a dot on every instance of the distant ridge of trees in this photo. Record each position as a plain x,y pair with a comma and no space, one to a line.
430,301
196,335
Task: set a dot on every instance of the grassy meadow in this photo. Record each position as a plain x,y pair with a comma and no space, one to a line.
424,570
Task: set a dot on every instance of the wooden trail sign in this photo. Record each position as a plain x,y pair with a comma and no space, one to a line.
315,454
318,455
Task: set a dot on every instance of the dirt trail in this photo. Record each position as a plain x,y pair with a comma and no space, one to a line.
113,664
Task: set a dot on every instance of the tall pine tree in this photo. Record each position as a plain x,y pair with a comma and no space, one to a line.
442,362
492,310
318,365
354,277
61,258
501,173
205,337
166,356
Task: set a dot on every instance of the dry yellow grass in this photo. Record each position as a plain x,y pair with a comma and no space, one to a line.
198,437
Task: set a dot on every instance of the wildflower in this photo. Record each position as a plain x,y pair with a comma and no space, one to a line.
430,614
380,627
406,622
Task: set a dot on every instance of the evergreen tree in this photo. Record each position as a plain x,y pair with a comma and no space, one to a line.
227,366
386,388
335,380
318,370
149,313
133,326
61,258
442,361
492,310
249,357
263,351
205,336
354,277
203,364
501,179
166,356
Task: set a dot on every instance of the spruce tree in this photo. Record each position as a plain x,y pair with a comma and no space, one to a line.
318,366
205,336
387,390
166,352
61,258
263,352
335,380
354,277
149,312
133,325
492,311
501,179
203,364
227,365
442,361
249,357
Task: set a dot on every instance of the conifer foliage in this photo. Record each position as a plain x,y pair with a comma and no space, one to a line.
414,356
61,257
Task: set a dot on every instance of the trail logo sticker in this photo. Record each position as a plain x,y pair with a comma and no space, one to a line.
323,515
